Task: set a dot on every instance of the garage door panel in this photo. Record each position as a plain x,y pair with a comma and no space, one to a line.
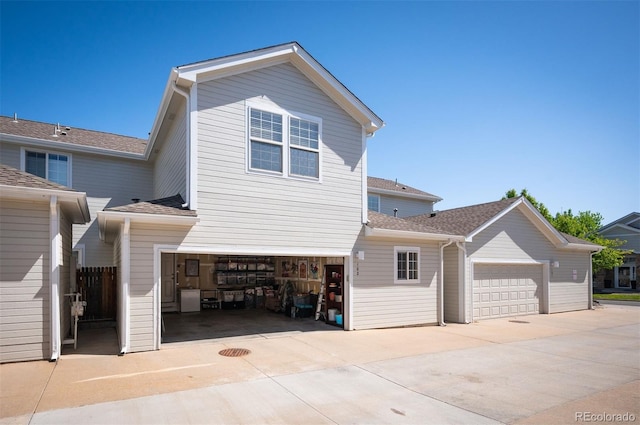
506,290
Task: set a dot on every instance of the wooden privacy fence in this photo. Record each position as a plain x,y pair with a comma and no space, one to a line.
98,288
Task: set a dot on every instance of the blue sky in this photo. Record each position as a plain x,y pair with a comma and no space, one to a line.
477,97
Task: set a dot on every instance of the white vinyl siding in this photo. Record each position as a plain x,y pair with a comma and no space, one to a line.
253,210
107,182
169,168
10,154
24,281
407,207
378,302
452,292
141,285
514,238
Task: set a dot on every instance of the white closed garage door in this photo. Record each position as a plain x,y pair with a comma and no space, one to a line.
501,290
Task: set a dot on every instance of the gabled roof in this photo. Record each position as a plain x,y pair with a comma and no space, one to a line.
463,220
629,222
16,184
395,188
185,76
471,220
65,137
382,221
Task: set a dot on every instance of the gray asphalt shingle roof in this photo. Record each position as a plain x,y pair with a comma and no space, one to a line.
12,177
382,221
464,220
385,184
171,205
72,135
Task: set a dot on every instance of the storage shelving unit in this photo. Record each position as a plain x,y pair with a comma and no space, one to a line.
234,272
334,275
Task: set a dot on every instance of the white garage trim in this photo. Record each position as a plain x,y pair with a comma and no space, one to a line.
543,301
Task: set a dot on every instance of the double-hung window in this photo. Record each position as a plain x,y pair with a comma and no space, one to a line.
283,144
407,264
304,150
50,166
373,202
266,141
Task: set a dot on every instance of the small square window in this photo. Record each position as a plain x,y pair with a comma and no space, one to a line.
407,264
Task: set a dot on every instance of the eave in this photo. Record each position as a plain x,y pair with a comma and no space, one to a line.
67,147
424,197
405,234
74,203
533,215
109,221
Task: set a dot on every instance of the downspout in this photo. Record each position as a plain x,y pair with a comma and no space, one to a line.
55,260
463,293
188,137
590,302
125,273
443,245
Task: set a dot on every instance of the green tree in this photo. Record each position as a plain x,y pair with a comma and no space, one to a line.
584,225
511,193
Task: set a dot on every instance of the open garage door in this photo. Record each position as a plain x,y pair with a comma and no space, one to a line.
502,290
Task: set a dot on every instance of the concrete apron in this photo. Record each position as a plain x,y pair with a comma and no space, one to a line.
536,369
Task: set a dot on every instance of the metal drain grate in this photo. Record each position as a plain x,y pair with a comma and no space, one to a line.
518,321
234,352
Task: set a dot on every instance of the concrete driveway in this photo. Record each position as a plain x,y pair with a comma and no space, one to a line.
561,368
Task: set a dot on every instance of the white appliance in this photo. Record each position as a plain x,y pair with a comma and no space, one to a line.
189,300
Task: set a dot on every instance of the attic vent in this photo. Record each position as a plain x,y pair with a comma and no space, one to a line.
135,200
64,133
433,214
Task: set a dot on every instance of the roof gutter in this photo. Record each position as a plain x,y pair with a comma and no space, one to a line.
391,192
63,196
407,234
104,217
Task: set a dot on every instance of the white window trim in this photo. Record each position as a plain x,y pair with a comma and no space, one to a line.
376,196
79,248
286,146
407,249
23,161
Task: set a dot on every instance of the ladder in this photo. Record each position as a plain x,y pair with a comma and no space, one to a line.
320,304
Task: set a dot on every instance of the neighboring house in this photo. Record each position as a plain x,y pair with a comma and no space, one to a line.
625,276
255,174
36,263
397,199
